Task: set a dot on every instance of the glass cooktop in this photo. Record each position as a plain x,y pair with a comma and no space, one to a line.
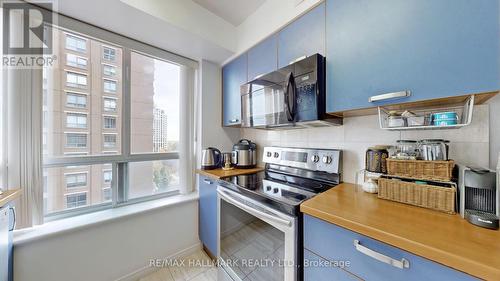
287,189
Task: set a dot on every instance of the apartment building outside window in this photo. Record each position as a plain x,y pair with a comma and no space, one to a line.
106,194
76,43
76,200
76,80
109,104
74,140
76,120
109,122
108,53
109,86
76,100
108,70
107,176
76,180
76,61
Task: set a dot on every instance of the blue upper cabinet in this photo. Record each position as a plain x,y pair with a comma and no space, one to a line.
263,58
303,37
432,48
208,213
234,74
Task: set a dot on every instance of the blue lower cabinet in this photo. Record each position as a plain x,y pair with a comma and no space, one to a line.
319,269
208,213
335,243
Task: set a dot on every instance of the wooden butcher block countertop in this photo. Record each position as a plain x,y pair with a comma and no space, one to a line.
443,238
9,195
220,173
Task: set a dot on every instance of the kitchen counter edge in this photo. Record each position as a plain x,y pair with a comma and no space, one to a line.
361,212
9,195
220,173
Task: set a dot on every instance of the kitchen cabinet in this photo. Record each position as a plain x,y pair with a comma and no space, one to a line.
6,226
365,255
263,58
315,270
234,74
303,37
208,213
434,49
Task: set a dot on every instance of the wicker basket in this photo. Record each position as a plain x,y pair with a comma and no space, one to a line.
419,169
427,196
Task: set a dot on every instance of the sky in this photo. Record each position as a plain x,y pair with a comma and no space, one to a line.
166,95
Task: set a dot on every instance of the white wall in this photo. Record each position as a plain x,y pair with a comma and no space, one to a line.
267,19
469,145
110,250
494,131
211,132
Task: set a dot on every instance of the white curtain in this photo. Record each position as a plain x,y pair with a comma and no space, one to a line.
22,139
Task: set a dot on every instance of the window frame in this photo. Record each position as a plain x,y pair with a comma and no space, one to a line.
77,115
71,93
119,162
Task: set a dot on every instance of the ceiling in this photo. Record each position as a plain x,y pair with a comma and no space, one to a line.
233,11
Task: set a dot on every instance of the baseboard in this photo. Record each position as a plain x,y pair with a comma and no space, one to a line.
145,270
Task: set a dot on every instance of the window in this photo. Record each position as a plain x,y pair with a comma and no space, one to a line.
76,200
163,114
76,80
76,180
87,158
109,105
76,140
76,61
109,140
109,122
109,86
107,176
76,120
76,100
108,53
108,70
106,194
76,43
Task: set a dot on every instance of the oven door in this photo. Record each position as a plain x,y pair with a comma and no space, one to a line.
256,242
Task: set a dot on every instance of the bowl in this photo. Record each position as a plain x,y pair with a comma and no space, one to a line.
445,116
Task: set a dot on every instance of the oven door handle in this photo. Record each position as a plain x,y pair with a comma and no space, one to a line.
253,211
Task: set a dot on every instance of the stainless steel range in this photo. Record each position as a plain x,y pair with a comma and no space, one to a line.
260,224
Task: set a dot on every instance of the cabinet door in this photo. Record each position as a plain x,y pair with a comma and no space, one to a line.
5,243
234,74
335,243
263,58
432,48
208,213
303,37
318,269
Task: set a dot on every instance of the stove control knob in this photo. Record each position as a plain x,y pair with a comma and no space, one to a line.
269,154
268,188
315,158
327,159
275,190
276,155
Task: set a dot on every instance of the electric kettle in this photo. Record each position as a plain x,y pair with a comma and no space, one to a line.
211,158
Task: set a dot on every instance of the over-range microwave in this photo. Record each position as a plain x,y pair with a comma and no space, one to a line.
291,97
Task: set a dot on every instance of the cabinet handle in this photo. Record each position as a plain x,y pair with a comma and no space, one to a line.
403,263
297,59
11,209
234,120
389,96
207,181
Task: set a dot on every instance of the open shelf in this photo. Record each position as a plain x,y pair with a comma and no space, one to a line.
464,111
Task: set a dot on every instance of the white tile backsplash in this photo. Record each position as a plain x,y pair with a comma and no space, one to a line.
469,145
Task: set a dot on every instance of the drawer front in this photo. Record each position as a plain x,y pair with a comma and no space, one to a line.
208,213
315,269
337,244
